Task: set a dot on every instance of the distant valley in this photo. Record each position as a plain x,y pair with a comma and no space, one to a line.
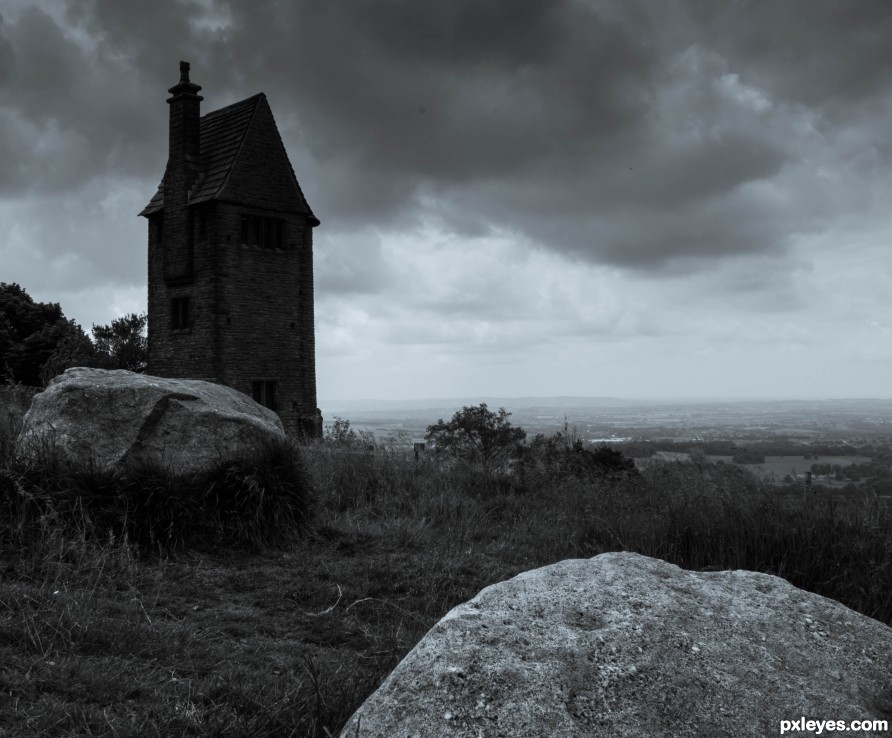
856,422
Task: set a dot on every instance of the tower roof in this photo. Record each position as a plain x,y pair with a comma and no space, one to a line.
224,158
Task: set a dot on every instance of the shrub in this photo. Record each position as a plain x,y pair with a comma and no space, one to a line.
340,433
477,434
259,500
564,455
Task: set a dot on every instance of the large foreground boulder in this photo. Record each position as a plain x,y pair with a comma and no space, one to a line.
110,417
625,645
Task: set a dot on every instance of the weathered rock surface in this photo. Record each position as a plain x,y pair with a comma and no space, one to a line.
109,417
625,645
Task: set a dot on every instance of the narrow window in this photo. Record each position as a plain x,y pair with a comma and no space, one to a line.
159,228
258,231
244,230
264,393
271,395
179,313
202,227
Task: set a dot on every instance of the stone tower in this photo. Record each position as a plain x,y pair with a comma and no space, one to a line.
231,259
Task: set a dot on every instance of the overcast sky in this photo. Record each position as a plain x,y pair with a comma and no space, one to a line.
518,197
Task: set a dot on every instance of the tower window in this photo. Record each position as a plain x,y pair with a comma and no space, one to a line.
264,393
179,313
258,230
159,228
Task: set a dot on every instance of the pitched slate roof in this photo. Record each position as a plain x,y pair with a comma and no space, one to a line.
222,133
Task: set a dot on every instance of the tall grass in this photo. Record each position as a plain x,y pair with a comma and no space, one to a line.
94,637
131,603
837,547
715,518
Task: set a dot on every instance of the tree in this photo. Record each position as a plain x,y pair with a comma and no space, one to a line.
73,348
477,434
123,343
29,333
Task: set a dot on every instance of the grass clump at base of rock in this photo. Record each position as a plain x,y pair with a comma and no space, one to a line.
263,499
149,621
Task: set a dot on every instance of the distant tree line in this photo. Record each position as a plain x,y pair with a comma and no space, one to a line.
37,341
853,472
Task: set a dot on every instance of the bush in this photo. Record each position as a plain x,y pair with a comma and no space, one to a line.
477,434
260,500
564,455
340,433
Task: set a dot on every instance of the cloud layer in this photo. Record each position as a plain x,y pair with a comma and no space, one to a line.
492,178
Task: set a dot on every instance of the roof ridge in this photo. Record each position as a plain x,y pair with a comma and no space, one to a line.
225,108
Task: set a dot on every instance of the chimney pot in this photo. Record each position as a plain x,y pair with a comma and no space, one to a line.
184,158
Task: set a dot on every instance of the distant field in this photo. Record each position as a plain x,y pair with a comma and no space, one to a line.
776,466
781,465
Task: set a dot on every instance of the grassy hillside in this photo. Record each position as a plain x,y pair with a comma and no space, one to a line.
247,623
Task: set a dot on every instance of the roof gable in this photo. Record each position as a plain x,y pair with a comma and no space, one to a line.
243,160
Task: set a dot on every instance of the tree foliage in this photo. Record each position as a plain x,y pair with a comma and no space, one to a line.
564,455
477,434
29,334
37,341
123,343
74,348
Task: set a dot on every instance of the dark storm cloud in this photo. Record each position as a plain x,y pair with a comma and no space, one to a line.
399,98
828,55
628,134
70,112
639,134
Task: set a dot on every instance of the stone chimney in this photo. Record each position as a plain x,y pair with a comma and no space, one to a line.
183,168
184,158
